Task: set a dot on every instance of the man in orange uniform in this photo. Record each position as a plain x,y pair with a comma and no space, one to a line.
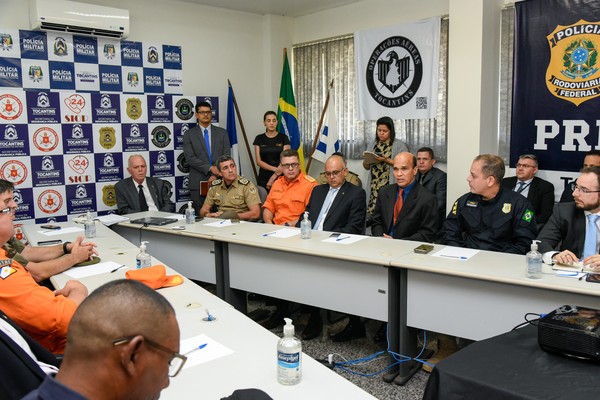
42,313
290,192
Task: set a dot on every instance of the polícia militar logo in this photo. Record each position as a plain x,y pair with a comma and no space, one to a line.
572,73
394,72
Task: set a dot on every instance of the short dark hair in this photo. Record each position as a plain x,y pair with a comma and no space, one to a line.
593,153
592,170
387,121
269,113
6,186
427,150
202,104
289,153
223,159
531,157
493,165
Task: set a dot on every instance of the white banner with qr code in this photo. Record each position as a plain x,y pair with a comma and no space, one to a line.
397,70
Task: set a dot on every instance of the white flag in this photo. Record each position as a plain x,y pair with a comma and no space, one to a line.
329,142
397,70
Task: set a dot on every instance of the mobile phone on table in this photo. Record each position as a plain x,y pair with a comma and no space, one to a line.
50,227
49,242
594,278
424,248
334,235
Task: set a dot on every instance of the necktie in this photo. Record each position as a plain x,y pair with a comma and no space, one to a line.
591,235
325,209
398,205
521,187
207,142
143,204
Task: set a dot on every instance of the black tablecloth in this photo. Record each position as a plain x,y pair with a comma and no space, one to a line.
512,366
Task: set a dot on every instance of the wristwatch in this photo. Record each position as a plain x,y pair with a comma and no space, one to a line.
65,250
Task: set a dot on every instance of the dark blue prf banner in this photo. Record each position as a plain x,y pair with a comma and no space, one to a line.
556,82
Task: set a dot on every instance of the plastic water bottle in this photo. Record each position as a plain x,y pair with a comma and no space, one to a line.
143,259
190,214
289,356
534,261
305,227
89,226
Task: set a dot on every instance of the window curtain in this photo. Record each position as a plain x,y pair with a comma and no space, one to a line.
506,80
315,64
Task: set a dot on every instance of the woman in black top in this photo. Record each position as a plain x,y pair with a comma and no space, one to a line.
267,147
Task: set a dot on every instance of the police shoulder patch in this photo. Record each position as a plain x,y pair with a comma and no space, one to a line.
216,182
309,178
455,207
527,215
7,271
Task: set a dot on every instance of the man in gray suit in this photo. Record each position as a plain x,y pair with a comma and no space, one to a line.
202,147
140,192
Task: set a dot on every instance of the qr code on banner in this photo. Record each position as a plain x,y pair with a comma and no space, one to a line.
421,103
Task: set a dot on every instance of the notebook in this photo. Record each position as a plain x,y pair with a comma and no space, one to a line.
153,221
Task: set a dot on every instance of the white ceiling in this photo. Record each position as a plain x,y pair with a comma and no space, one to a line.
290,8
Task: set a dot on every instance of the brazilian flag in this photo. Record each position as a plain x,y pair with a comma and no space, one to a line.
287,116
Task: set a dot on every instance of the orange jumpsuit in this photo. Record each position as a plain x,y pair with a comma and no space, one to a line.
287,201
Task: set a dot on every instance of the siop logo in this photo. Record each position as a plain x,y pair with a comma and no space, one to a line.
14,171
49,201
75,102
10,107
45,139
79,164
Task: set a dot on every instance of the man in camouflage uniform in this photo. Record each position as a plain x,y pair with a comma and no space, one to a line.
232,196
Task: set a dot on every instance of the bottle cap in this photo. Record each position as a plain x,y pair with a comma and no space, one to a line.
288,328
534,245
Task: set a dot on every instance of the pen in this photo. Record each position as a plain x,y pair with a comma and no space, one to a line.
209,316
222,222
196,348
118,268
582,276
449,256
268,233
342,238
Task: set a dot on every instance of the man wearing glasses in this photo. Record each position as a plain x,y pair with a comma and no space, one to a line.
591,159
42,313
337,206
539,192
115,347
571,233
290,192
202,147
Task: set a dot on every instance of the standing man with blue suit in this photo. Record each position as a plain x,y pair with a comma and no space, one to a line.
202,147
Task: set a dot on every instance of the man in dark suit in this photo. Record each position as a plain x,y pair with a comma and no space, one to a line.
140,192
539,192
25,362
571,233
337,206
591,159
413,216
432,178
202,147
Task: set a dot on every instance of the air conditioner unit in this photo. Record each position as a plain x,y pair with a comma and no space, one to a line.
79,18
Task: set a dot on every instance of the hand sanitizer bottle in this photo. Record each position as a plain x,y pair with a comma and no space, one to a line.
89,226
534,261
143,259
190,214
289,356
305,227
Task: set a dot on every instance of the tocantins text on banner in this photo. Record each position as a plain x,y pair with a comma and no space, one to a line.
397,70
556,85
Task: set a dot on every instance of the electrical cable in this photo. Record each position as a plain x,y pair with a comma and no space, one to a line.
529,321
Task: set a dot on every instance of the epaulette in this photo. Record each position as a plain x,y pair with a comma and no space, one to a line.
309,178
243,181
216,182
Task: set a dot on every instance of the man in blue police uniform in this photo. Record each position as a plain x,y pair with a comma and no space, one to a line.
489,217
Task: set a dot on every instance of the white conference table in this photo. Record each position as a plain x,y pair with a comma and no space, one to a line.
253,361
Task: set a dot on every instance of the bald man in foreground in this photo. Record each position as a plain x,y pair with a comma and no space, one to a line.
123,343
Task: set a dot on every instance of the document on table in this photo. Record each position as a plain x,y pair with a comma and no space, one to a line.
90,270
200,349
220,224
283,233
345,239
56,232
111,219
178,217
457,253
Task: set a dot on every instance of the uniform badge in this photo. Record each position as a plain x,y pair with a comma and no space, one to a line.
7,271
472,203
252,189
528,215
506,208
109,195
455,207
134,108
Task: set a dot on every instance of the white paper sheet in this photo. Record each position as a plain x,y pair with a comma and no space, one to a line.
111,219
283,233
211,351
457,253
220,224
345,239
90,270
62,231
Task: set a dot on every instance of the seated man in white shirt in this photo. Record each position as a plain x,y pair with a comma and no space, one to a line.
571,233
140,192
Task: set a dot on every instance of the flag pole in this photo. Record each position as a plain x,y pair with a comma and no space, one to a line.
237,111
316,141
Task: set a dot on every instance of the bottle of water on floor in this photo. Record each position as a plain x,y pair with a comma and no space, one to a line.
289,356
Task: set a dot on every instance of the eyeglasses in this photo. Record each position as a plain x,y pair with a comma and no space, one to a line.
9,210
519,165
175,363
290,165
204,112
575,187
333,173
